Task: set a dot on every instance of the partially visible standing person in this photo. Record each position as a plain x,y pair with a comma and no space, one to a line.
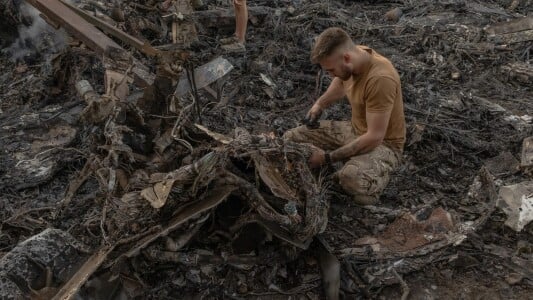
236,42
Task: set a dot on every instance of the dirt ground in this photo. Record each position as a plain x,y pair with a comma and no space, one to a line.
467,96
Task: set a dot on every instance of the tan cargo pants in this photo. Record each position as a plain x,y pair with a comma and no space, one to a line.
364,176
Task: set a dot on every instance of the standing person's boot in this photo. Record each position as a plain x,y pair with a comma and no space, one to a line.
235,47
236,43
228,40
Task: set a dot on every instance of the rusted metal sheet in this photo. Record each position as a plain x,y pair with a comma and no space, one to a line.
60,15
205,75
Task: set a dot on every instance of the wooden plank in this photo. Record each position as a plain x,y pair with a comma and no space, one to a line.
526,162
69,290
517,37
511,26
75,25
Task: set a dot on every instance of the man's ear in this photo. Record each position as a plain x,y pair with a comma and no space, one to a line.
346,57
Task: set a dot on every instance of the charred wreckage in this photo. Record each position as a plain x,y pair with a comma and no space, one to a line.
169,190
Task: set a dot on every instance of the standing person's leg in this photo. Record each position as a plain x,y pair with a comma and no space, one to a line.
241,19
236,42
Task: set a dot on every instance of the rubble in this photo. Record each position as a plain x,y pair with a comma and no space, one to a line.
35,267
406,243
162,154
503,164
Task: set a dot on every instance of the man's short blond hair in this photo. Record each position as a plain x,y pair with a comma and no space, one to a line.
329,41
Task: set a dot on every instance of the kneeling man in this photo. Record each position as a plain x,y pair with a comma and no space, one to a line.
371,144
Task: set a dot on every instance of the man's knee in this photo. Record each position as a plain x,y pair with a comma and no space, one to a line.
353,181
294,135
364,189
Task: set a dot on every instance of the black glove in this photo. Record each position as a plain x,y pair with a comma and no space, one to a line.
312,123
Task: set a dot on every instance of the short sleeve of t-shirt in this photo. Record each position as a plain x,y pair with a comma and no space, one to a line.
380,94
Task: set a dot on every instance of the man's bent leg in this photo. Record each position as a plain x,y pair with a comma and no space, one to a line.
329,136
366,176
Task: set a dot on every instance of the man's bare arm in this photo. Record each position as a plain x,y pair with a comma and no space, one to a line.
334,93
377,128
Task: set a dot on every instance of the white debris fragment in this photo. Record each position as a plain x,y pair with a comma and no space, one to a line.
517,203
519,122
527,118
267,80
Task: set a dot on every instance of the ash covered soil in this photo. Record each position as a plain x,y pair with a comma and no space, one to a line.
467,101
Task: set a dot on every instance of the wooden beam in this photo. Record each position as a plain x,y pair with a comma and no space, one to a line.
511,26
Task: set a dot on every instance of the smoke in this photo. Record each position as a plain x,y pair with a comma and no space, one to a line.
38,38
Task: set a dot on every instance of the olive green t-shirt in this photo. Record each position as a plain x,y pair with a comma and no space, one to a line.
378,89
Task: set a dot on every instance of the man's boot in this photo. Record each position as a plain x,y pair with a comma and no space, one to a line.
364,200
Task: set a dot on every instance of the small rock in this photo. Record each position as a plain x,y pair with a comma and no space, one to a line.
117,14
310,278
282,273
455,75
393,15
311,261
21,68
346,218
448,274
513,278
464,261
243,289
524,247
291,10
207,270
194,276
180,281
503,164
